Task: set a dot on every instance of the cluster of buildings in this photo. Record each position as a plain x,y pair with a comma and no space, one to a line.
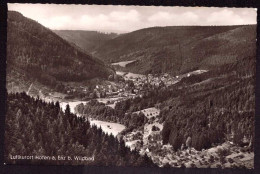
157,80
140,85
130,86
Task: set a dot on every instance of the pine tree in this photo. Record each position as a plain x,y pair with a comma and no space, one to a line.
67,110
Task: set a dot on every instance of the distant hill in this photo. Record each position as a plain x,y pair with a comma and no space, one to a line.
41,54
86,40
180,49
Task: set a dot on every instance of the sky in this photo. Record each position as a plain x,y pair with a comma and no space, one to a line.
130,18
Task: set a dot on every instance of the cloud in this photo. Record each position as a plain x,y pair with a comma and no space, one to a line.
166,18
225,17
161,16
56,22
93,20
115,19
191,16
130,18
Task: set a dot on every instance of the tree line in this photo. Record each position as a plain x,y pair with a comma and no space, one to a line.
35,127
100,111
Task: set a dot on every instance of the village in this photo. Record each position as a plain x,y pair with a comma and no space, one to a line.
123,85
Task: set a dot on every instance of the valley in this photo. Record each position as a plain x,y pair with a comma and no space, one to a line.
177,96
147,138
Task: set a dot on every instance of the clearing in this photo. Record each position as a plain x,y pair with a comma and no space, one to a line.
72,105
123,63
108,127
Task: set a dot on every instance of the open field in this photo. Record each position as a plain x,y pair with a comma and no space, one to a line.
129,75
108,127
123,63
72,105
149,112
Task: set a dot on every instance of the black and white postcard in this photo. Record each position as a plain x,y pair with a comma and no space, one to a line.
138,86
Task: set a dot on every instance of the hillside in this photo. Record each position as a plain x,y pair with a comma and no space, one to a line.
180,49
39,54
38,130
86,40
215,110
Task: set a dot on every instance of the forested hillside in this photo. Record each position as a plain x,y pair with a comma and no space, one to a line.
36,51
179,49
212,116
211,108
34,127
86,40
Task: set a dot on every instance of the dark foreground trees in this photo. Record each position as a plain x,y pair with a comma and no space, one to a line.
37,128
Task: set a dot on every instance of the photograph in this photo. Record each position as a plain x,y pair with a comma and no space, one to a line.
130,86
